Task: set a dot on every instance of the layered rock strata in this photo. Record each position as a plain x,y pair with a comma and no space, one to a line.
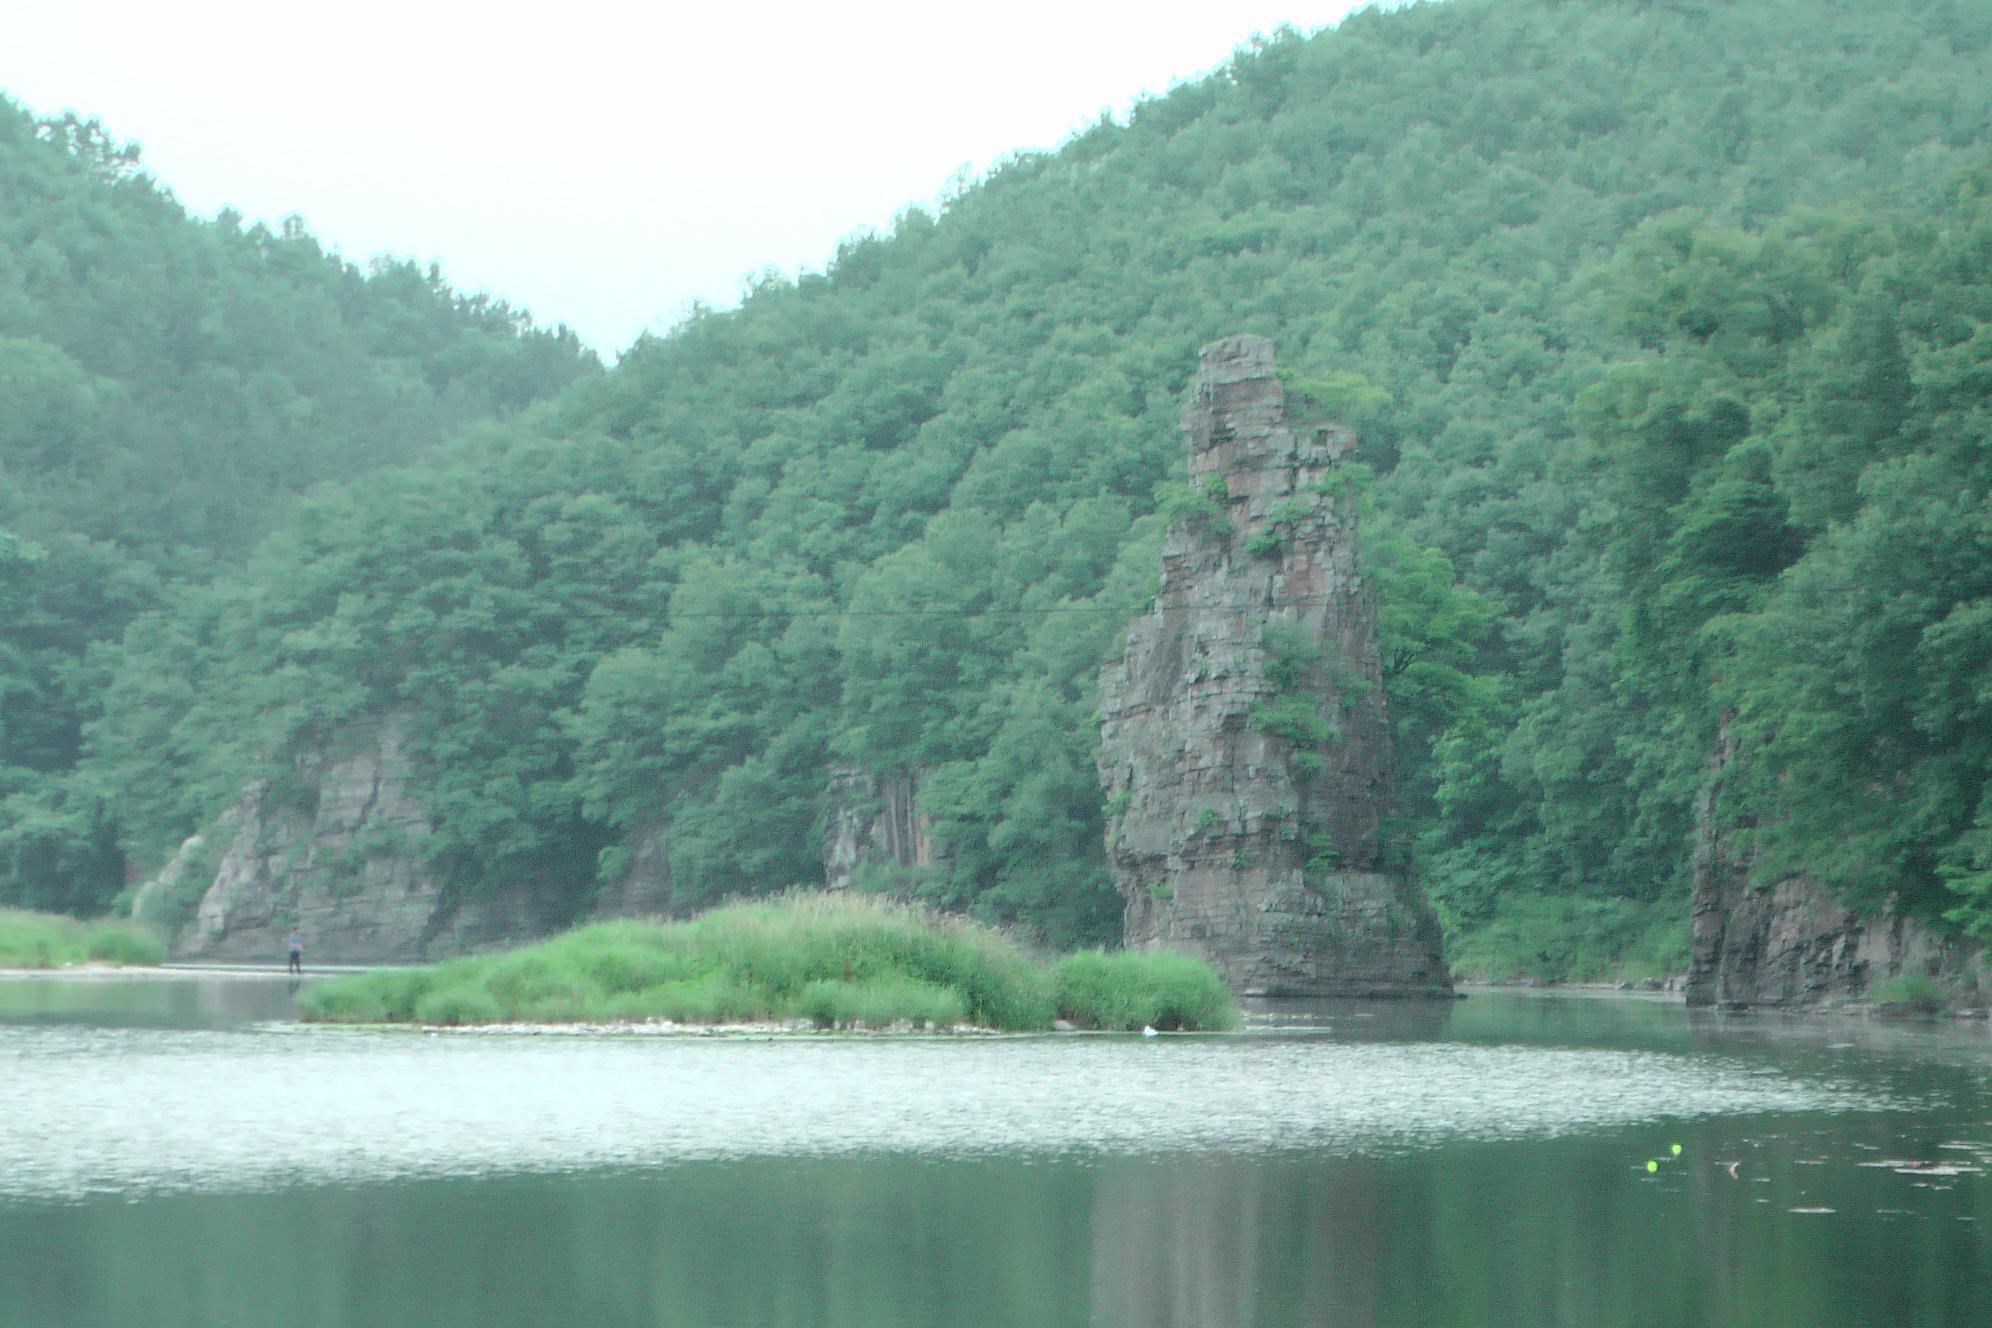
1786,942
1244,747
875,819
334,849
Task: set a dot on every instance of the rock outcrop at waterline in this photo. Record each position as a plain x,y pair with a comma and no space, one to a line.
334,849
1244,747
1786,942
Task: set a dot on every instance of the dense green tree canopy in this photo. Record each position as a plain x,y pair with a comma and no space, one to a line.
165,385
1585,276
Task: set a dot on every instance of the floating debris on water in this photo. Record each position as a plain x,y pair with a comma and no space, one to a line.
1915,1167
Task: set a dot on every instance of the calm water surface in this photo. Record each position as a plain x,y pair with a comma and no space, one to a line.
173,1152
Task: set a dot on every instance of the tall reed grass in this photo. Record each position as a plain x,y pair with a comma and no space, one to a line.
838,960
48,940
1135,989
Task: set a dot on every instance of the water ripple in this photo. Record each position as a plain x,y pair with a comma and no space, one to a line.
92,1110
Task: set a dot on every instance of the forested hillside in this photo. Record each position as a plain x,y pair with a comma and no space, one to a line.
1593,281
165,383
1801,474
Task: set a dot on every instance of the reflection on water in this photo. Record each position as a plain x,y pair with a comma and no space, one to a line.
1489,1168
117,1000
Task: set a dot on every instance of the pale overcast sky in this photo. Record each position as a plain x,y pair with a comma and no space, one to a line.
603,162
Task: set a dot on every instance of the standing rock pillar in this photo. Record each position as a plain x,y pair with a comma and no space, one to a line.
1244,745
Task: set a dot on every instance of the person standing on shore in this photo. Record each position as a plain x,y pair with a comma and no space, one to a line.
297,952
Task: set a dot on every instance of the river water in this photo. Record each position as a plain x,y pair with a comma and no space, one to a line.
174,1152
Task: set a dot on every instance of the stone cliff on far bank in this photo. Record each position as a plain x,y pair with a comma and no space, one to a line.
1786,942
334,849
1244,746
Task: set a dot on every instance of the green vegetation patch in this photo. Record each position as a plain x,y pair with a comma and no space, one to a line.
1134,989
1913,993
1565,939
42,940
841,961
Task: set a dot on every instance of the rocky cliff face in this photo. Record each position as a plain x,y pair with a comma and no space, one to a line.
333,850
1786,942
876,819
1244,747
645,889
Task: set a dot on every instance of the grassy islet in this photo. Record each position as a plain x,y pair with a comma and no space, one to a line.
837,960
